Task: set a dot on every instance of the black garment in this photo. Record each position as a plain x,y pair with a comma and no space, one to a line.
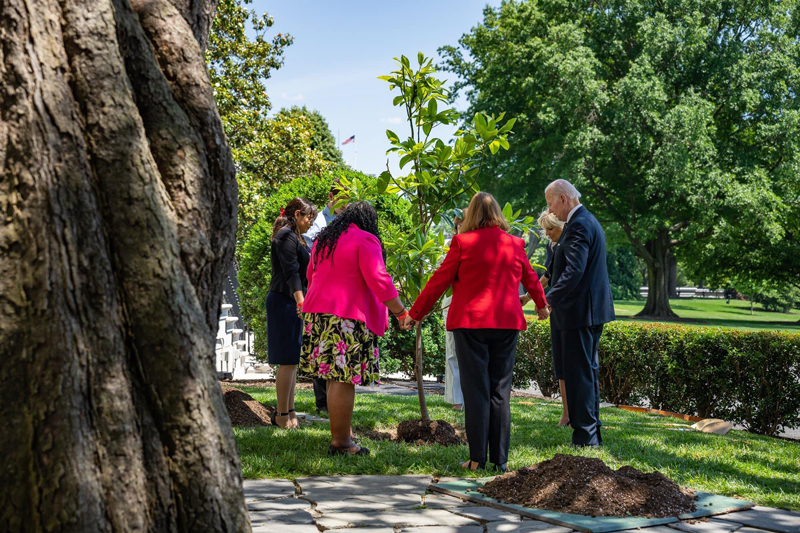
486,363
580,293
290,258
581,368
321,393
548,261
284,330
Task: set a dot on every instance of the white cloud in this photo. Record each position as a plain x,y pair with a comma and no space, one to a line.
293,97
392,120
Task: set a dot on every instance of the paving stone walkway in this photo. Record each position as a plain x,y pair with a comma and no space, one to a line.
402,504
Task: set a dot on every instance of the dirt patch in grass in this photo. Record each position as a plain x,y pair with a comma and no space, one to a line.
244,410
586,486
431,432
436,433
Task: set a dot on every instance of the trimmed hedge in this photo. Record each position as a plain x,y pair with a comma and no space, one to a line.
750,378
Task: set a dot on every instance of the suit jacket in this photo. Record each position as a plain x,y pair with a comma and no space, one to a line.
485,267
580,293
289,257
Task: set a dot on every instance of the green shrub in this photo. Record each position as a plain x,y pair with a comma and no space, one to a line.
254,253
750,378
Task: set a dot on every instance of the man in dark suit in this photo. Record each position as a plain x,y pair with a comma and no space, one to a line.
581,302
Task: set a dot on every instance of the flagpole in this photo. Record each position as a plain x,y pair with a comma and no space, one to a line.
355,148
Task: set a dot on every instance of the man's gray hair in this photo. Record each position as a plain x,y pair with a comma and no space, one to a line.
564,187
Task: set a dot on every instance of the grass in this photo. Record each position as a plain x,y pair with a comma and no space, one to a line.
713,313
753,467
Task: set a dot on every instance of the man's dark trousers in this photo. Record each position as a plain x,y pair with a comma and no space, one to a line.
321,393
486,364
581,377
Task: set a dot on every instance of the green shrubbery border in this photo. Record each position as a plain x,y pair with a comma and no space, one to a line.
750,378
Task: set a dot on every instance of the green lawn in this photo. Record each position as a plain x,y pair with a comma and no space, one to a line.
757,468
713,312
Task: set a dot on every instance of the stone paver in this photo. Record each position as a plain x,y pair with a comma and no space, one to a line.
526,526
442,529
364,493
440,501
486,514
766,518
266,489
712,526
278,527
280,504
394,517
282,517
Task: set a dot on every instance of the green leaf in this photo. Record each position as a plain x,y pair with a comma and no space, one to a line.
392,136
420,58
383,181
508,125
494,146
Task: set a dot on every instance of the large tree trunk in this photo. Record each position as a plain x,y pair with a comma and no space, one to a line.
118,205
657,305
672,282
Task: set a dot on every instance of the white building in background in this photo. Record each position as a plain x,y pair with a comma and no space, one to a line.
234,349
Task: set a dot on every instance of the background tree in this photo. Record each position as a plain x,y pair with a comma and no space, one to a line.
674,117
118,202
322,139
441,180
267,151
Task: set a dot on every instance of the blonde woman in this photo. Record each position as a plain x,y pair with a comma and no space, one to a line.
485,265
552,228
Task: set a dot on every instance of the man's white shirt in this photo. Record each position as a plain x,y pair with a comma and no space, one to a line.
572,212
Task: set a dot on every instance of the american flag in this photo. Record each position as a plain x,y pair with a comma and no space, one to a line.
349,140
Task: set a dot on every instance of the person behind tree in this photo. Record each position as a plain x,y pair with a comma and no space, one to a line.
345,313
552,228
290,256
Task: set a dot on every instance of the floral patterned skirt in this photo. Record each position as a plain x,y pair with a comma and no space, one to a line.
339,349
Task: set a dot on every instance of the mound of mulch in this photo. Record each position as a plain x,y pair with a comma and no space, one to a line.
244,410
586,486
433,432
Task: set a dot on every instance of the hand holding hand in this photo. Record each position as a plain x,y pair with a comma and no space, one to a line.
407,323
543,313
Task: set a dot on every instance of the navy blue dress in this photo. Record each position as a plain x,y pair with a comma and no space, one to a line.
290,258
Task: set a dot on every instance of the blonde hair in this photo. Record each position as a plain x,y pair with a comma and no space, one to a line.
548,220
483,212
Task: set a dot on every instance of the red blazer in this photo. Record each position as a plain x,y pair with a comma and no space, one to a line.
485,268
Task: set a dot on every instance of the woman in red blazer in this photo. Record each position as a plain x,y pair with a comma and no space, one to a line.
485,266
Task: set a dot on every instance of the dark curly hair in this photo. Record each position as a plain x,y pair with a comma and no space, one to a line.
362,214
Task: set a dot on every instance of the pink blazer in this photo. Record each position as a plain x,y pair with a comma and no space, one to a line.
353,282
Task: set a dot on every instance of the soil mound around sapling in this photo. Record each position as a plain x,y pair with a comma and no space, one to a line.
432,432
586,486
244,410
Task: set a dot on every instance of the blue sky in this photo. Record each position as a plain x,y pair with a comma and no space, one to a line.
339,50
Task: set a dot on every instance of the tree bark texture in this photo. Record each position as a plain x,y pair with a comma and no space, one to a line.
118,204
658,265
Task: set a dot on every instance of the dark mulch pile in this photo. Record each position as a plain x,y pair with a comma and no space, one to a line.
244,410
435,431
586,486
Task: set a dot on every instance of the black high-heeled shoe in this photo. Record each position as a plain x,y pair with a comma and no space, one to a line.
274,416
333,450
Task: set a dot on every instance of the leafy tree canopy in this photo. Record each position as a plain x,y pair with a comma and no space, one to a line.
675,117
267,150
322,139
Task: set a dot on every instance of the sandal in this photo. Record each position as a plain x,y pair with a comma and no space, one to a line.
295,418
274,419
334,450
468,465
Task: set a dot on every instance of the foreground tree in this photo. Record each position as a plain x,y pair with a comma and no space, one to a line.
118,201
674,117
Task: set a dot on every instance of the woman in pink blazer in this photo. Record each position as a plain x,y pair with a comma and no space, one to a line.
345,312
